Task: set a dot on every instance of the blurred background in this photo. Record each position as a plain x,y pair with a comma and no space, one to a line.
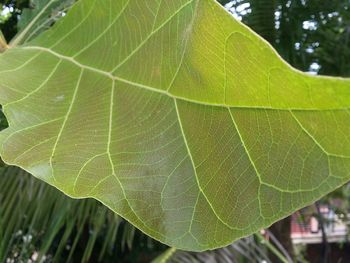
39,224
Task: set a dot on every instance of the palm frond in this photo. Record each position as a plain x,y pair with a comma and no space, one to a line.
40,223
253,249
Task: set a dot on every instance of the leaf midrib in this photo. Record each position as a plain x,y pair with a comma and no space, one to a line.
175,97
167,93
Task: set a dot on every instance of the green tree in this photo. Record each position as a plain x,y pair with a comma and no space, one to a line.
304,32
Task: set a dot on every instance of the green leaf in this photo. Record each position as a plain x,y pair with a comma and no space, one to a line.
175,116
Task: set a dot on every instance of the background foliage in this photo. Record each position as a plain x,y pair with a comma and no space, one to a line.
303,31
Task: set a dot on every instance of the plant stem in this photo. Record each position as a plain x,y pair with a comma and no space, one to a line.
271,248
3,43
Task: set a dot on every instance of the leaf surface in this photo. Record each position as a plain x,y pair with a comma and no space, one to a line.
175,116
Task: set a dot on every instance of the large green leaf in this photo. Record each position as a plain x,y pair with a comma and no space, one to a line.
175,116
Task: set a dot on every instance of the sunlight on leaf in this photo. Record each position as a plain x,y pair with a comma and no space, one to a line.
176,116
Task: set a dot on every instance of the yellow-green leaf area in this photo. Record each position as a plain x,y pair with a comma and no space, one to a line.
174,115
